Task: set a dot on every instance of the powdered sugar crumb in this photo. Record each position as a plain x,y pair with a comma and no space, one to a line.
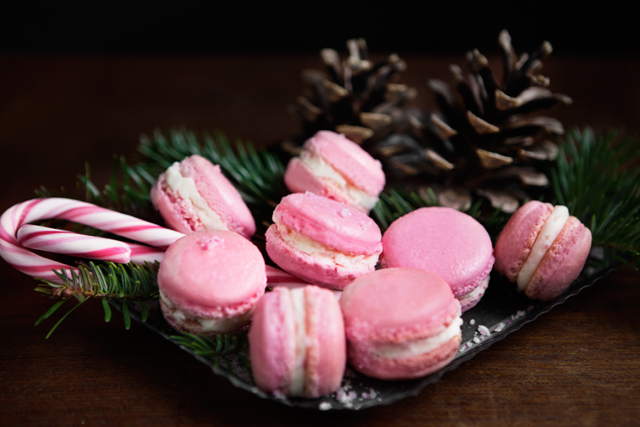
346,398
472,321
324,406
371,394
344,213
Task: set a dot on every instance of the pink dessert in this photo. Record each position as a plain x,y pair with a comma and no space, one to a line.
322,241
297,342
210,282
194,195
401,323
543,249
332,166
445,242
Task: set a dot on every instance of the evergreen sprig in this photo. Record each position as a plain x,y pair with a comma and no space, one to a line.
257,175
594,178
106,281
127,191
217,348
395,203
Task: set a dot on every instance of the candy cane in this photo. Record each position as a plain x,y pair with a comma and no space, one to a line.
16,235
276,277
83,246
81,212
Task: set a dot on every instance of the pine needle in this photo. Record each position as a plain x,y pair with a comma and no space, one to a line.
106,281
594,178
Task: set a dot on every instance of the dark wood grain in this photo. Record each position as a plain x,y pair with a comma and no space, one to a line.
577,365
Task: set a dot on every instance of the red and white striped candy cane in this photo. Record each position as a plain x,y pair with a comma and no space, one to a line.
16,235
276,277
81,212
98,248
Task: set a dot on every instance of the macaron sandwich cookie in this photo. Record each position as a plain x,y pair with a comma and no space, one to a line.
400,323
445,242
543,249
194,195
332,166
297,342
210,282
322,241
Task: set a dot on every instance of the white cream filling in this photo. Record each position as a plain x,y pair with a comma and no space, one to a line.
208,325
420,346
322,169
545,239
312,247
186,189
474,293
299,315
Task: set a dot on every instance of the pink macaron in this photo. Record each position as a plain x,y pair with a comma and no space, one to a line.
194,195
400,323
210,282
297,342
322,241
332,166
445,242
543,249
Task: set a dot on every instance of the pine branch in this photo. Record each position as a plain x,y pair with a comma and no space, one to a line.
594,178
257,175
395,203
127,191
217,348
106,281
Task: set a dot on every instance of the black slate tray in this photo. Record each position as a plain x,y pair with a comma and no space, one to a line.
501,311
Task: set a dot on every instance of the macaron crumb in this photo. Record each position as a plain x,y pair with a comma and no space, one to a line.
369,395
208,243
484,330
472,322
499,328
346,397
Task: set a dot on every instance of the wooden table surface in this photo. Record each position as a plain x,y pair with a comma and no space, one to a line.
577,365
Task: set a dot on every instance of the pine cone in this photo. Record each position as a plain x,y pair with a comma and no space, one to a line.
485,139
355,96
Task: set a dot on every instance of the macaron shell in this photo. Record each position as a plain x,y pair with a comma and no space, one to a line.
177,213
443,241
212,272
518,236
220,194
467,304
405,368
398,306
299,179
326,351
562,263
330,223
348,158
313,269
271,342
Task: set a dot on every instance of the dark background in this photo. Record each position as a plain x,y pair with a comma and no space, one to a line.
609,28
